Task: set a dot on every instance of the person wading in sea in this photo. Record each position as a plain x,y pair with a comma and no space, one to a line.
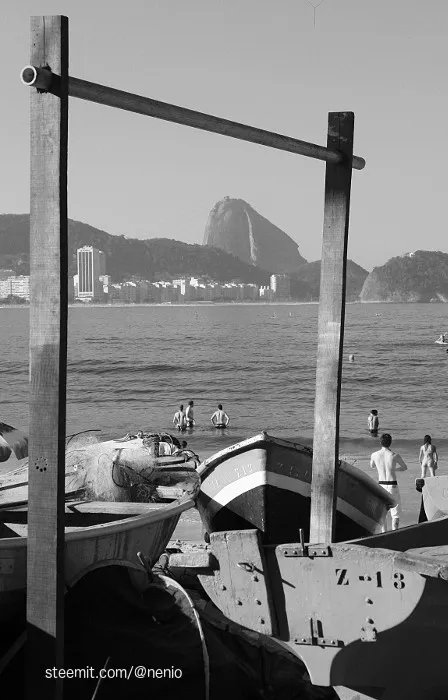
387,463
219,418
428,456
373,423
189,414
179,419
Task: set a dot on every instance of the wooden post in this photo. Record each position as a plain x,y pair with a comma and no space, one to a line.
48,355
331,329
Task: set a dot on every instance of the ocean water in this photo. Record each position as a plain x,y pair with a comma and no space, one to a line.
129,368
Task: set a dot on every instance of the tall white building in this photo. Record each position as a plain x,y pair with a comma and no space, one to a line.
280,286
91,267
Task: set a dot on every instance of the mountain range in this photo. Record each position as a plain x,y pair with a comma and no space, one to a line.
126,258
244,242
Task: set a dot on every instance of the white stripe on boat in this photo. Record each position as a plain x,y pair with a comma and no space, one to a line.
261,478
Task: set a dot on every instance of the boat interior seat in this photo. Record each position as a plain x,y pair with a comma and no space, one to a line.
84,513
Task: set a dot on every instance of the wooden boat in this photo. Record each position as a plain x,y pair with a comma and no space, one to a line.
265,483
126,469
363,615
434,497
97,534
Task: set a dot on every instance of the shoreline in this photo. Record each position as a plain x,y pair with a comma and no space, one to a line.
185,304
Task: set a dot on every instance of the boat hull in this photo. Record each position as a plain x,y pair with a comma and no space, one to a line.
265,483
89,548
362,618
435,497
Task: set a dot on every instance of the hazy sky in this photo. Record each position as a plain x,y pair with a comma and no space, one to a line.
262,63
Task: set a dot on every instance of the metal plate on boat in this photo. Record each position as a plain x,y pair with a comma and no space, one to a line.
6,566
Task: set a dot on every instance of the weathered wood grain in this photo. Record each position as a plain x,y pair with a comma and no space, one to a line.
240,586
331,329
48,353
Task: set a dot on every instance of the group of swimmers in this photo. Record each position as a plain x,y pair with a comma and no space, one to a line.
185,419
387,463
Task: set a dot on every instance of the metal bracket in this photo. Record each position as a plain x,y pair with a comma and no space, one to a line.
319,641
316,638
368,634
6,566
304,550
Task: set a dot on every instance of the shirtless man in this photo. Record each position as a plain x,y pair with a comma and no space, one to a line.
220,418
373,422
387,464
179,419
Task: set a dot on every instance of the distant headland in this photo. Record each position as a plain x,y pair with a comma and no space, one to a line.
240,249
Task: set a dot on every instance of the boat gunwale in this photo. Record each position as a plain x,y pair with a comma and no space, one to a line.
132,522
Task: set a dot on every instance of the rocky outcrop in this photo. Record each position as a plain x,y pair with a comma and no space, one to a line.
415,277
309,275
234,226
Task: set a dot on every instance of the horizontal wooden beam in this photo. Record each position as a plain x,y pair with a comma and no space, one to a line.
44,79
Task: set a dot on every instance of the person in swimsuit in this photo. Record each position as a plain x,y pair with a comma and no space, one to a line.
179,419
219,417
387,463
373,423
428,457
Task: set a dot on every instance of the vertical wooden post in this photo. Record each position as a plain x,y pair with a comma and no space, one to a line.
48,356
331,329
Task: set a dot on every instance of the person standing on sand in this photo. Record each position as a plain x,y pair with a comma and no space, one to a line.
189,414
373,422
428,457
179,419
387,464
219,418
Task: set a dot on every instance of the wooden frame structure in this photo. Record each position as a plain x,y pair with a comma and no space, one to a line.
48,75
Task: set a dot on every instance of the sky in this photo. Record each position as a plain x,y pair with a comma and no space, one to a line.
258,62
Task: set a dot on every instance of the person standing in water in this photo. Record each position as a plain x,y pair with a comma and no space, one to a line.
219,418
373,423
179,419
387,463
428,456
189,414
